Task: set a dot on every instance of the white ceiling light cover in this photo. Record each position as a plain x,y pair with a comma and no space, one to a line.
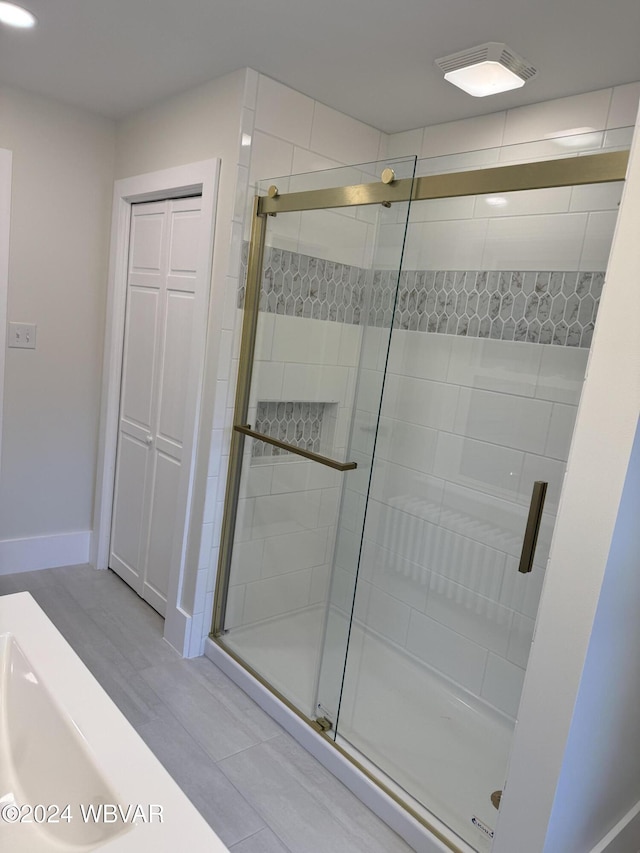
16,16
486,69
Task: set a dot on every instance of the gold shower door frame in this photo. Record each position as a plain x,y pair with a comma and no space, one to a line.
602,167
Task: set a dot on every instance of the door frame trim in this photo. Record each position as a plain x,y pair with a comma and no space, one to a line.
200,178
6,159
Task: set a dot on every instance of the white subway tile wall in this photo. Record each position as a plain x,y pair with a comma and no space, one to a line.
624,105
556,118
270,156
343,138
502,684
294,503
482,140
521,242
461,137
449,501
283,113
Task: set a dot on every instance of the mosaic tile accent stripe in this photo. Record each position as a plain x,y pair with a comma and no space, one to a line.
304,286
538,307
294,422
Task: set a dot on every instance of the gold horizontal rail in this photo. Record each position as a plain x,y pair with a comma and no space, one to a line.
358,194
564,172
599,168
299,451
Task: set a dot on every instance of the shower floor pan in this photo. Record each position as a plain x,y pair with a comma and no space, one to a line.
404,722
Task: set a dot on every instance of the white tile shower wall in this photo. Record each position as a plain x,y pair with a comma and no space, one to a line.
571,228
363,432
292,503
596,111
449,499
294,134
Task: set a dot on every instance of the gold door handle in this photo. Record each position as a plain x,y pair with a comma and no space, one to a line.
533,526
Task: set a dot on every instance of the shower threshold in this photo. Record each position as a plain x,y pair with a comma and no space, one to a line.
450,752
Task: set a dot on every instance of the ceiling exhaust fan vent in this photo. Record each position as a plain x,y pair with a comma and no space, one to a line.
492,51
517,64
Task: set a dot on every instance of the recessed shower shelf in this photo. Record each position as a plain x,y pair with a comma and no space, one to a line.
292,448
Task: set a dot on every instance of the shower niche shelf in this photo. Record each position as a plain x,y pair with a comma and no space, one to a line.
306,424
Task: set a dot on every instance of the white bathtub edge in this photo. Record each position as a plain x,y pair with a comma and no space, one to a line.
130,768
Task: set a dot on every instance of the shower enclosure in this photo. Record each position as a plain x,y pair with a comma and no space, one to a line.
414,344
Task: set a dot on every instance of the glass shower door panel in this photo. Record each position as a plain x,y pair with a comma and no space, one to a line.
384,280
495,311
314,307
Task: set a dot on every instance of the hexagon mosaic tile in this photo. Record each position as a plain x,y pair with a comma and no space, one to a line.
539,307
304,286
296,423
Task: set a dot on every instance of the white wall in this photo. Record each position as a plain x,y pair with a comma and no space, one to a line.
600,779
597,468
61,200
184,129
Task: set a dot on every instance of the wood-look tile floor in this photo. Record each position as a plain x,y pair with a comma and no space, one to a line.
254,784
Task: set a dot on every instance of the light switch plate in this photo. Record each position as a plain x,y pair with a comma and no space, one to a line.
22,335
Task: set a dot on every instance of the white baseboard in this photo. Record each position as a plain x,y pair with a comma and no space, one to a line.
197,637
416,835
625,835
177,630
44,552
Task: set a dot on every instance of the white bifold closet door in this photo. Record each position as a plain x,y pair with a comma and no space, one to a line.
161,296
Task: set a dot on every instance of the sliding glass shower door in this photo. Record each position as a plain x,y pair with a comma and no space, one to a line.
314,384
409,380
495,312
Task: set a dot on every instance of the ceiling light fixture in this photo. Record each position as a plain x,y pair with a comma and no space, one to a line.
16,16
486,69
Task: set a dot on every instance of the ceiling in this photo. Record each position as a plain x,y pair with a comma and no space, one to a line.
372,59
